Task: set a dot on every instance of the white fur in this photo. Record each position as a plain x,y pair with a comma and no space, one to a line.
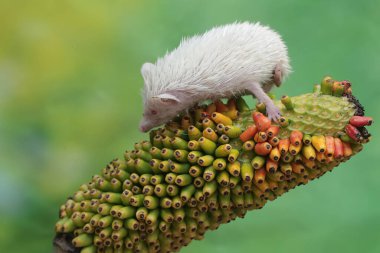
223,62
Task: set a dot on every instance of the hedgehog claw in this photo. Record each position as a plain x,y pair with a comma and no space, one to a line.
273,112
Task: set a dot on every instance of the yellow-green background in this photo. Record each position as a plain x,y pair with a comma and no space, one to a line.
70,102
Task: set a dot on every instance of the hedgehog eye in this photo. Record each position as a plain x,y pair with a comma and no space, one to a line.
153,112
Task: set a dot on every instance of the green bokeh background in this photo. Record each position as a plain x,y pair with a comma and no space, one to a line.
70,102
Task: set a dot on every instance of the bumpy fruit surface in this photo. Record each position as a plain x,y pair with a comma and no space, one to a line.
318,114
209,167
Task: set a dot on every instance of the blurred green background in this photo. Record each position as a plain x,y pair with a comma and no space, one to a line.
70,102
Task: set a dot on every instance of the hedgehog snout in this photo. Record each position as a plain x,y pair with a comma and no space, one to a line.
150,121
144,126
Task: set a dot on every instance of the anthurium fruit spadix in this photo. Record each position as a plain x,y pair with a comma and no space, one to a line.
209,167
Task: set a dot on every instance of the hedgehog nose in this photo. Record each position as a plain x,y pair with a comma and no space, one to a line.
143,127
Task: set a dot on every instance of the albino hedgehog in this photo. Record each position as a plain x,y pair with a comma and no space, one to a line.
226,61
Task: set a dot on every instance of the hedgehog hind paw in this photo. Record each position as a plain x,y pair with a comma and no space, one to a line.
273,112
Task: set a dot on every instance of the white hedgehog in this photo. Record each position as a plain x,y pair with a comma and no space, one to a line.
226,61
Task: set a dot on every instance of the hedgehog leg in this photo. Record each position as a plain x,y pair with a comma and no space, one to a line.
277,75
272,110
62,244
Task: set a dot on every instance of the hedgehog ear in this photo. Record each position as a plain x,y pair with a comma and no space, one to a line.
146,68
166,98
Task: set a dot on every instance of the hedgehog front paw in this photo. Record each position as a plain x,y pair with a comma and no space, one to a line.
273,112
